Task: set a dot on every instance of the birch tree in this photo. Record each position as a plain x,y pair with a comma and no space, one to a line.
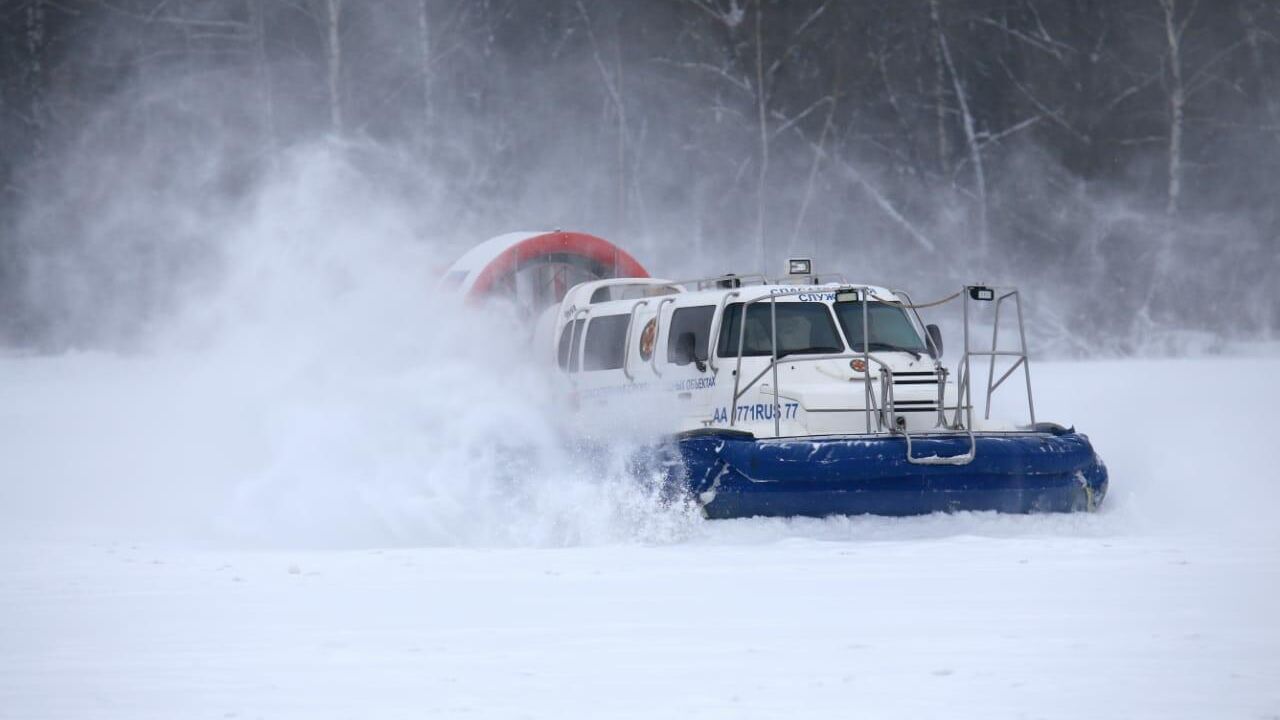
333,57
262,70
970,132
426,67
35,39
611,77
1174,29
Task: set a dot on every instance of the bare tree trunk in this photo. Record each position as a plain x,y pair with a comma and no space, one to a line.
623,209
1261,72
1177,105
970,133
940,110
333,52
266,95
1267,306
613,86
904,124
1177,102
809,183
424,59
855,176
35,32
761,102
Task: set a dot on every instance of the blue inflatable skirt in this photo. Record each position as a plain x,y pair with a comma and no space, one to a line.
734,474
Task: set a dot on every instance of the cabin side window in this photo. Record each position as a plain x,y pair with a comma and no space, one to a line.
571,332
606,340
804,328
690,320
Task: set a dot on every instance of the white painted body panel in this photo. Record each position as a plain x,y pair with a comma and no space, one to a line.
816,397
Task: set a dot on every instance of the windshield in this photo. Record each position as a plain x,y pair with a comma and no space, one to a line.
888,327
803,328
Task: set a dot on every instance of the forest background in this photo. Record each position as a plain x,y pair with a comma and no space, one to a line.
1116,159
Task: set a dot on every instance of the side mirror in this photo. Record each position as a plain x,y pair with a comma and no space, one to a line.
935,339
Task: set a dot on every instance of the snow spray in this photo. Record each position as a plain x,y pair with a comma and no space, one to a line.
321,391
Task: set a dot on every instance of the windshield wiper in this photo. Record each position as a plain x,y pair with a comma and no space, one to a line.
890,346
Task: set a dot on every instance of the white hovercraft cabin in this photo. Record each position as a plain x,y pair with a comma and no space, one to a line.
817,358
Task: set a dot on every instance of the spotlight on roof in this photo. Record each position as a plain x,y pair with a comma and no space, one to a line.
799,266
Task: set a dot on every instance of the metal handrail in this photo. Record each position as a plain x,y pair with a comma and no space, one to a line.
964,390
714,339
866,355
1021,355
573,339
964,459
964,402
653,359
626,343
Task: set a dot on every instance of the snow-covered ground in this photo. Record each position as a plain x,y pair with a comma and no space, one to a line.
134,585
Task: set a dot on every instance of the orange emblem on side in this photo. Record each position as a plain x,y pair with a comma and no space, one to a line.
648,338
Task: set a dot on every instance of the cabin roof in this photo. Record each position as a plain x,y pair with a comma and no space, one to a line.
579,297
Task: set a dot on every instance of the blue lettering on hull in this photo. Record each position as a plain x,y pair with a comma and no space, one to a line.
755,413
699,383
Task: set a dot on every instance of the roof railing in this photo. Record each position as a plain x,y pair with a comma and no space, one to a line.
604,293
727,281
733,281
814,279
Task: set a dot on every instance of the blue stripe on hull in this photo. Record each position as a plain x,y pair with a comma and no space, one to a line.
852,475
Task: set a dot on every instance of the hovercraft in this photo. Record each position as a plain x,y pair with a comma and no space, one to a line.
809,395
